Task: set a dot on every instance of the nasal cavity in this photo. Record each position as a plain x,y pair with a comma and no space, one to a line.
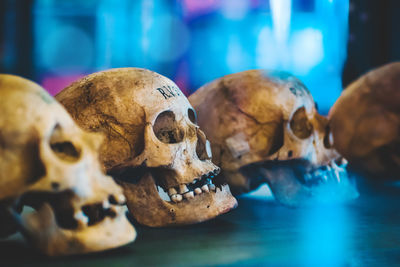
328,138
62,147
192,115
203,147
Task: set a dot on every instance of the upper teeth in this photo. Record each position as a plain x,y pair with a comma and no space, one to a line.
81,218
106,204
183,188
211,186
330,172
189,195
121,199
198,191
172,191
205,188
189,190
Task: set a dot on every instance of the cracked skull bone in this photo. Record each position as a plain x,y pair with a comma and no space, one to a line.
365,123
264,127
153,143
52,165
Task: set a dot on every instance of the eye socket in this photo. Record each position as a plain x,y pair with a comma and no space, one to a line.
300,125
64,149
192,115
167,129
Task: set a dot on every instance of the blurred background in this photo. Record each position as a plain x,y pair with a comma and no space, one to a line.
326,43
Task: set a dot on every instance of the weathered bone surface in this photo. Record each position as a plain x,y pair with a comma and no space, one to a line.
365,123
153,147
264,127
48,163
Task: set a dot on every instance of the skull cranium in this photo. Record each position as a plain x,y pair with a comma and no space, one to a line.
52,165
264,127
152,142
365,123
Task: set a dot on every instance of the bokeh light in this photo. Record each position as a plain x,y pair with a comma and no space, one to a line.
194,42
65,50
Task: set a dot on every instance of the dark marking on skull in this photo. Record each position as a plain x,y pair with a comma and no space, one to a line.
169,91
87,93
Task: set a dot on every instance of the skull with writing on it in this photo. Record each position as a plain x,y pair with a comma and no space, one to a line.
154,147
264,128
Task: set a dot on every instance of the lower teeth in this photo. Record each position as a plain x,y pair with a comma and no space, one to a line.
205,188
176,198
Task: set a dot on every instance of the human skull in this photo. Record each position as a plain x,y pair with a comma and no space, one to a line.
264,127
365,123
50,164
153,145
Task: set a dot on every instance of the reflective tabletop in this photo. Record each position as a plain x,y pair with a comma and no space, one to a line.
260,232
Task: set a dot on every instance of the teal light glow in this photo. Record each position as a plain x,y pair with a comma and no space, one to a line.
325,235
306,38
194,42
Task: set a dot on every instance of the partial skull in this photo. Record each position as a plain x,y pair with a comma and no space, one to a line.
51,165
264,127
154,147
365,123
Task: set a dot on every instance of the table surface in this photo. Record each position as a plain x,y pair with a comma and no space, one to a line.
364,232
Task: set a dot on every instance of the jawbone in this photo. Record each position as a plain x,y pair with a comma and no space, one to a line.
41,229
148,208
294,183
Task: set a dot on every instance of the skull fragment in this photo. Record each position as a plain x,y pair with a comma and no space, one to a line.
264,127
365,123
154,147
51,165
